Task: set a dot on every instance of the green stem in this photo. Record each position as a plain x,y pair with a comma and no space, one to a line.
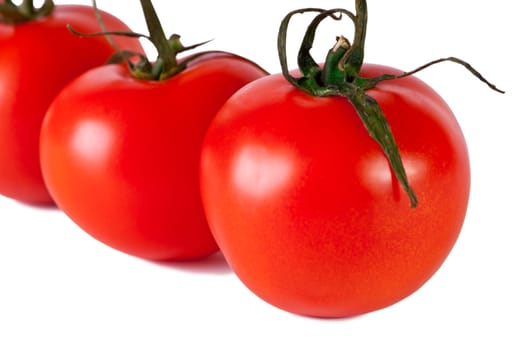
27,8
355,58
332,74
158,37
100,20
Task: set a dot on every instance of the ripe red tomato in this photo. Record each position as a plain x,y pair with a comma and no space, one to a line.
121,155
305,207
37,58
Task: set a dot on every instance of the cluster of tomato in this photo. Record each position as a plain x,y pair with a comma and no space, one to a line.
219,154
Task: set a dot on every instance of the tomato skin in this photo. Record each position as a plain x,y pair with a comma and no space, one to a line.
120,156
305,208
37,59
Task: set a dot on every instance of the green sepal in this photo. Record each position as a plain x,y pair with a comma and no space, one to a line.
11,13
378,128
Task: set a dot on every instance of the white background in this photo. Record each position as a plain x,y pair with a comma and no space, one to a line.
60,289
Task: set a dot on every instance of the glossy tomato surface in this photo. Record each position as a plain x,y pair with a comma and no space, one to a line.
121,156
306,209
37,59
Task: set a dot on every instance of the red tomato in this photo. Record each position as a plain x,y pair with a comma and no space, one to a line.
121,156
305,207
37,58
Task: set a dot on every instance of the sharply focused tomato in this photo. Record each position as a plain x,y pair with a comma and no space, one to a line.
37,58
120,155
308,212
